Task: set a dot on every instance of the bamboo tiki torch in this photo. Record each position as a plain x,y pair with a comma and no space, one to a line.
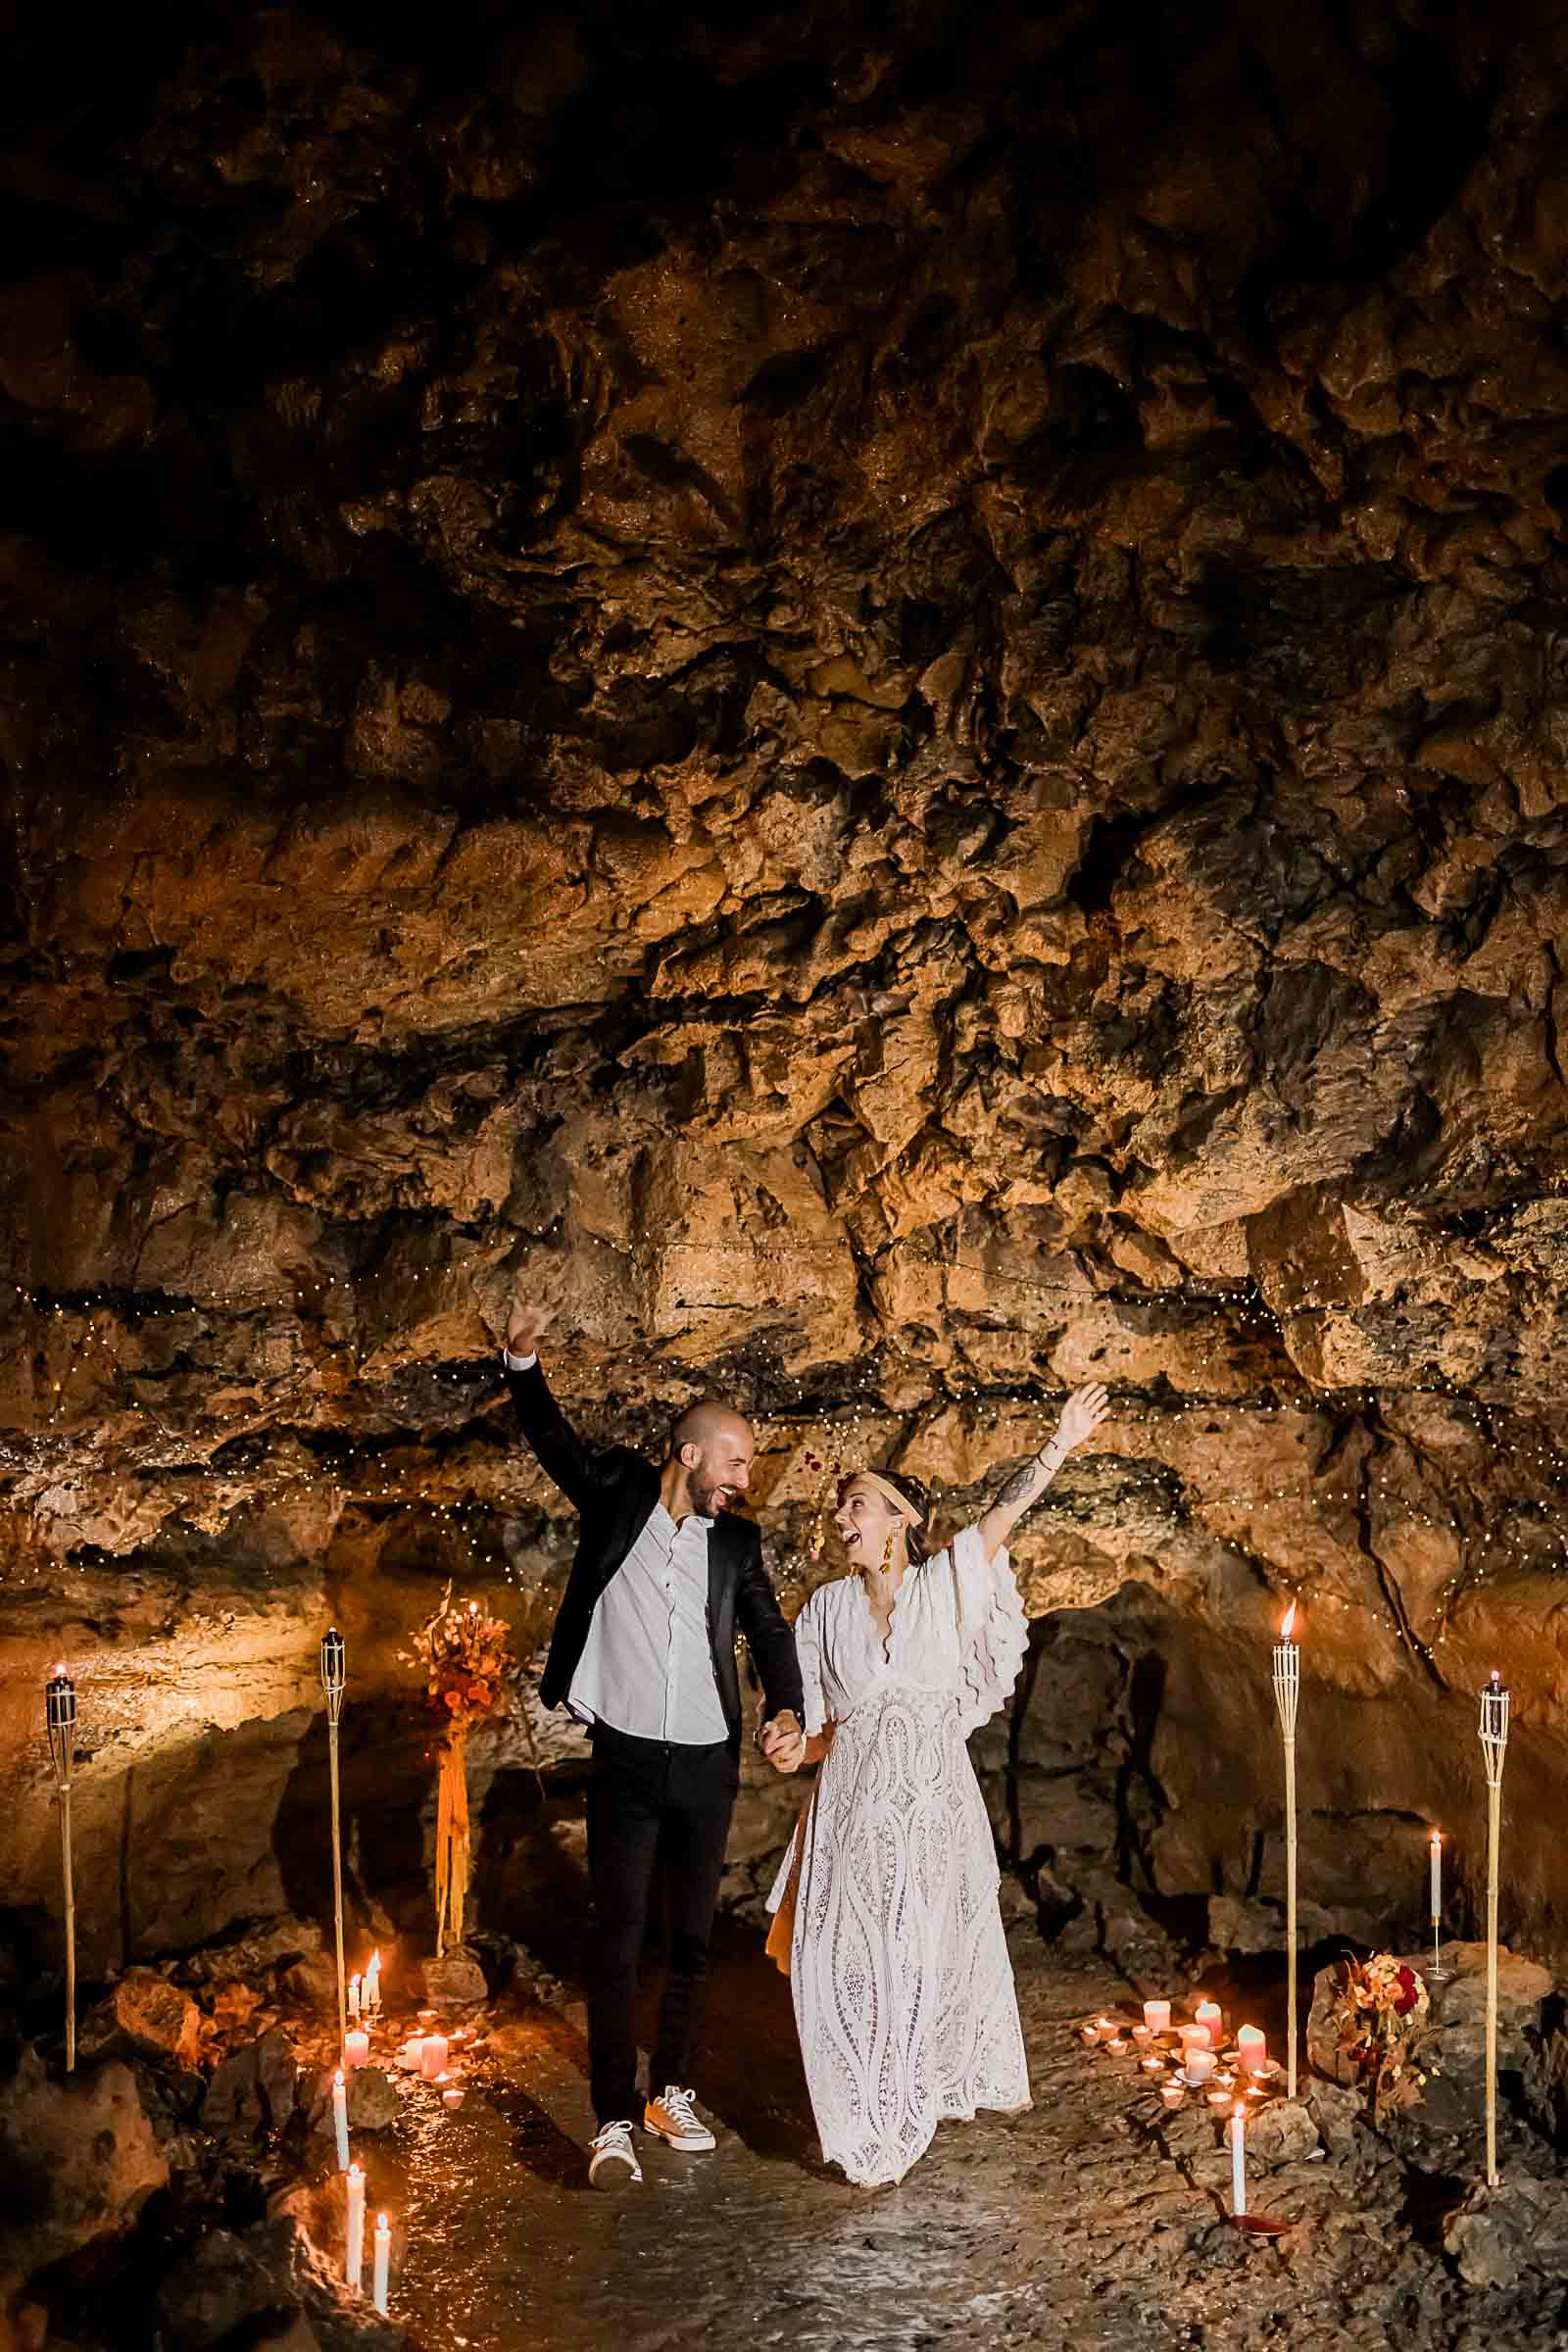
1287,1693
60,1714
334,1675
1494,1705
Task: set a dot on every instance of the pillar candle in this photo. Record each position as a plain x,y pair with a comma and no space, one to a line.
373,1986
1194,2037
1252,2051
383,2261
356,2048
1436,1874
1199,2065
1156,2016
1210,2015
1238,2162
354,1998
340,2119
353,2260
432,2056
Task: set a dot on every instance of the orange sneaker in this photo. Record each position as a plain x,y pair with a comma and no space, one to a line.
674,2119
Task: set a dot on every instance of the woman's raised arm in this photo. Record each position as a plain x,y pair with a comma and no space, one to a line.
1080,1416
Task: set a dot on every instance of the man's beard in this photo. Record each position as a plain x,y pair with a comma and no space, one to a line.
706,1495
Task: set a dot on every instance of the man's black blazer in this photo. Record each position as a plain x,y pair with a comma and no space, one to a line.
615,1490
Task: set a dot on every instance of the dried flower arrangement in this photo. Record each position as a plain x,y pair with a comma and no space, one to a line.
466,1661
1379,2014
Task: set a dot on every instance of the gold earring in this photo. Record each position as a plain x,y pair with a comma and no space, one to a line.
887,1553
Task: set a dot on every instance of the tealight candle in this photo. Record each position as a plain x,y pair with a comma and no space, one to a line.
427,2017
1153,2066
354,2259
357,2048
1209,2015
1172,2093
1089,2034
1116,2046
340,2119
1156,2016
384,2262
452,2098
1218,2098
1142,2034
432,2056
1251,2050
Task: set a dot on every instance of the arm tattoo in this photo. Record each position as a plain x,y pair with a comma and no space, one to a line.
1022,1487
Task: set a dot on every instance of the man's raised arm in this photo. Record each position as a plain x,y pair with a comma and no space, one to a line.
556,1444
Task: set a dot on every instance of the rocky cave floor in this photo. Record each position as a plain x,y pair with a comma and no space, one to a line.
1097,2219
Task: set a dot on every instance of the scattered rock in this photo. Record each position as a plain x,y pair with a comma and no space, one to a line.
1499,2233
253,2089
157,2016
253,1954
1283,2133
455,1980
213,2289
79,2159
1453,2053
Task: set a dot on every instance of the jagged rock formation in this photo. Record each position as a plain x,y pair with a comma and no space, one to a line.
890,696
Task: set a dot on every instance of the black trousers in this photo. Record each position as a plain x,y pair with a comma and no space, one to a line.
650,1801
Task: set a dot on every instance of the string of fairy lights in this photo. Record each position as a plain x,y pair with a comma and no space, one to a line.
795,1409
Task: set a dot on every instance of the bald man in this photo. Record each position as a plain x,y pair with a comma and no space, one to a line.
644,1654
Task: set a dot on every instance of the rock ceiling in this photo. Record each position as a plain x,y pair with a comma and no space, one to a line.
891,703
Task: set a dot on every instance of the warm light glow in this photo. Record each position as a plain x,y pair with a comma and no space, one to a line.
338,2078
1437,1839
382,2222
1289,1620
474,1608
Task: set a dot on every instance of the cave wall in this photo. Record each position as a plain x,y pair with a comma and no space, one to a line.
885,695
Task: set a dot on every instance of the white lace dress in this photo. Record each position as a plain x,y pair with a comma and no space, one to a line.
902,1988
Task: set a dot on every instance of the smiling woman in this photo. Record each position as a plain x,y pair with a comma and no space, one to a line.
886,1903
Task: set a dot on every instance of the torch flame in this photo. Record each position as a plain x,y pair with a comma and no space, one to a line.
1289,1620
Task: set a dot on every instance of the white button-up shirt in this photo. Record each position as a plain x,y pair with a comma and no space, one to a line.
647,1666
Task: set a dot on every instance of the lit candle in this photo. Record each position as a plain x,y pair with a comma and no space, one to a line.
1251,2050
1209,2014
340,2119
1192,2038
1116,2046
411,2054
452,2098
1238,2161
1218,2098
1153,2066
353,2260
1142,2034
432,2056
1089,2034
373,1986
356,2050
354,1998
1436,1874
1199,2065
1172,2093
383,2261
1156,2016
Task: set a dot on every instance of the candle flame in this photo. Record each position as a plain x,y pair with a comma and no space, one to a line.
375,1960
474,1608
338,2078
381,2223
1437,1836
1289,1620
354,2168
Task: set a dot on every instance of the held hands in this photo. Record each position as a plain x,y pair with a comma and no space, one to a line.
1080,1416
783,1741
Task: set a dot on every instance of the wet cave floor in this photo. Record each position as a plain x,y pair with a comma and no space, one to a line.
1089,2220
